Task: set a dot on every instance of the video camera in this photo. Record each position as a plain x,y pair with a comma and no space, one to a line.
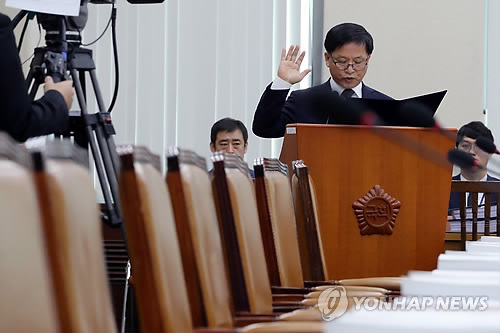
74,24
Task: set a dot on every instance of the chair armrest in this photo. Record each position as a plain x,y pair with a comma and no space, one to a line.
287,303
350,293
356,288
288,297
280,309
241,321
390,283
214,330
312,284
309,314
289,290
283,327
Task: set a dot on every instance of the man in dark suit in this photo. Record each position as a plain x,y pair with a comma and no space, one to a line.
466,139
348,50
20,117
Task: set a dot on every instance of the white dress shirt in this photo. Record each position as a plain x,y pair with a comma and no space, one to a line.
480,196
357,90
280,84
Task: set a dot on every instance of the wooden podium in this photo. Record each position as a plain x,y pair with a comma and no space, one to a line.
382,207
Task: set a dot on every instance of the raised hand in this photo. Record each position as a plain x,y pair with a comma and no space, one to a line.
289,69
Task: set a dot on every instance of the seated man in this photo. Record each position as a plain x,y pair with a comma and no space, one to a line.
231,136
466,139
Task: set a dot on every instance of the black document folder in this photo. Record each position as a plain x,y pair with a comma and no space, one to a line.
392,112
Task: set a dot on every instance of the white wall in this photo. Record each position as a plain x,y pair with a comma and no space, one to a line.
187,63
492,73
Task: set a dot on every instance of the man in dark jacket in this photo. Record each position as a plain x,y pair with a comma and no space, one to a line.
20,117
348,50
466,141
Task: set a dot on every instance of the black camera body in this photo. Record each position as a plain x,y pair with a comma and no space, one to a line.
74,24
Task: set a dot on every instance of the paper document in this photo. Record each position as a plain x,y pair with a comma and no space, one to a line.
57,7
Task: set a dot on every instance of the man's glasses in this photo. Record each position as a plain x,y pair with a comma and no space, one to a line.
468,146
357,66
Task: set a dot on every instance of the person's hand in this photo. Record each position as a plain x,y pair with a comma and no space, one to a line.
64,87
448,225
289,69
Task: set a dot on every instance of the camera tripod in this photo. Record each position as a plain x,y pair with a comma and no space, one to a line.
88,130
94,130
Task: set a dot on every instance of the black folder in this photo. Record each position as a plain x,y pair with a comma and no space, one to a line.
391,112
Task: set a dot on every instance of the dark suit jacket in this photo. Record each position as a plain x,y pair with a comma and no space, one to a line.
275,111
455,196
20,117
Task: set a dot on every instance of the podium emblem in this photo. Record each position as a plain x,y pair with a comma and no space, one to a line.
376,212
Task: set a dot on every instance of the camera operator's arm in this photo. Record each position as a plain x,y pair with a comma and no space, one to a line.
65,88
20,117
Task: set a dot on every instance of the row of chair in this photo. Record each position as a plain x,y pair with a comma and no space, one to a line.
195,243
222,232
208,252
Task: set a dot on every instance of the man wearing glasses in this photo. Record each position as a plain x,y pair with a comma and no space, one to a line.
466,141
348,49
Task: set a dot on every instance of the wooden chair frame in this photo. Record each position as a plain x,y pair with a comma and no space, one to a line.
309,240
228,230
489,187
266,228
54,233
176,157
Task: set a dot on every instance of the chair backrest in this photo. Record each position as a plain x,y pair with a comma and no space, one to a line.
271,180
154,250
73,232
27,302
238,219
489,188
196,219
308,229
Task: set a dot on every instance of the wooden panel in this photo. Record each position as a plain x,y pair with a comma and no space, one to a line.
345,163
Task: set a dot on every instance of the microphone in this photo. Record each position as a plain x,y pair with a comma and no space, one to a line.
342,111
486,145
462,159
417,114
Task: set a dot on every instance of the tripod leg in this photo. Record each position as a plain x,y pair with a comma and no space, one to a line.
107,146
93,147
125,299
100,102
106,154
